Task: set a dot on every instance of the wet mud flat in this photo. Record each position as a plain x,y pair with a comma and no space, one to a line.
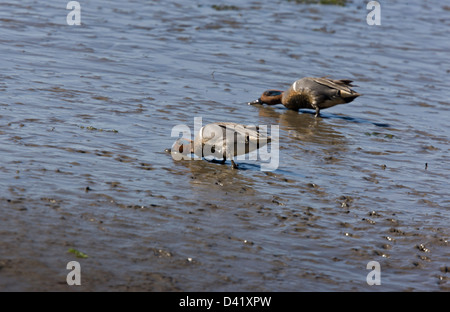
303,236
84,175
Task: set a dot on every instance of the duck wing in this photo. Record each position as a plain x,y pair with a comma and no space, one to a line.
238,139
341,85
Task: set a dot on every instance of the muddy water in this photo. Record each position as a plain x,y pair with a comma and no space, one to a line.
87,111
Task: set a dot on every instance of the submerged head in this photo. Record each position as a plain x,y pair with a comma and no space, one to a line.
269,97
182,146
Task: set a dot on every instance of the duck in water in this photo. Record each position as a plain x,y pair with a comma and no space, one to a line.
222,140
312,93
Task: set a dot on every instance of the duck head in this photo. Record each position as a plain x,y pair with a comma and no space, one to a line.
269,97
182,146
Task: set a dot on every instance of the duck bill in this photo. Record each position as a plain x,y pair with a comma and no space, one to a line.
258,101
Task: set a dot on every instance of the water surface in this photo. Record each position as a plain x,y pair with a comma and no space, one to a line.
87,111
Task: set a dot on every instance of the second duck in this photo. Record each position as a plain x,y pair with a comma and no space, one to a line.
312,93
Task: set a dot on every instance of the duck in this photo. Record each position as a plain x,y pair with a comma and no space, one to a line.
311,93
222,140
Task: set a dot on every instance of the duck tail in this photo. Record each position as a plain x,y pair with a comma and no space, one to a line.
347,82
349,95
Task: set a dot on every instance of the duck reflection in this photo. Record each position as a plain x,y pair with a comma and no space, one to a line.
215,179
304,126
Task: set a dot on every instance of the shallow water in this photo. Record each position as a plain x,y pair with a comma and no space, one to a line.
87,111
